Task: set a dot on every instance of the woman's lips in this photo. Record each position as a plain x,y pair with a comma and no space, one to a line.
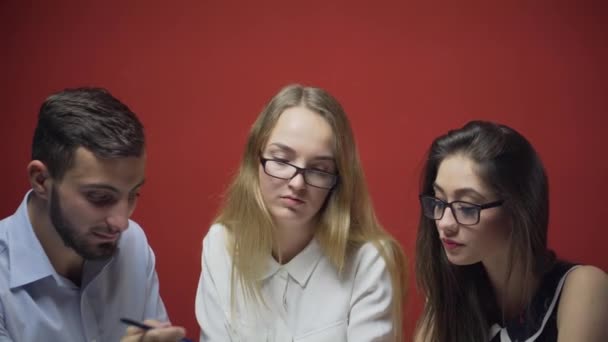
289,200
450,244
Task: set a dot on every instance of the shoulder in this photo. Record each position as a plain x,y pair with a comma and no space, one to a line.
368,252
134,247
583,278
584,296
216,237
4,262
217,232
5,223
215,243
380,252
368,261
585,281
134,236
3,239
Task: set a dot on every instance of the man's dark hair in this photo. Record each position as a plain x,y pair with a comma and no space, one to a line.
87,117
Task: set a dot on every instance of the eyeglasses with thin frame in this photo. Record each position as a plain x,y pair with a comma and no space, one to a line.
283,170
465,213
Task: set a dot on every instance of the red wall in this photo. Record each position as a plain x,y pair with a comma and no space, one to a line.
198,73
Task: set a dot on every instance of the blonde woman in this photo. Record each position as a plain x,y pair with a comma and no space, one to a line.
296,253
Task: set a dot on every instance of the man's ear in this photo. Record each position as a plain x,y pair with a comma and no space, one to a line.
40,179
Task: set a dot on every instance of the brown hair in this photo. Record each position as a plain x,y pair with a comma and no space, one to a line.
460,300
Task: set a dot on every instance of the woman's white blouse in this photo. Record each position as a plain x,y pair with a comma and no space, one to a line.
306,299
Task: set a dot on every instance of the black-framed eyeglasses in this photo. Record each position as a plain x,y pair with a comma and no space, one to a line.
464,213
313,177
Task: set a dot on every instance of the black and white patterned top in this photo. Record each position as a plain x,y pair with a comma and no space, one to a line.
538,323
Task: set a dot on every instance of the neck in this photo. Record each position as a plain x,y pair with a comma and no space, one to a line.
65,260
513,291
292,239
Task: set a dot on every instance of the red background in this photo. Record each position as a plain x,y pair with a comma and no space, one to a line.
198,73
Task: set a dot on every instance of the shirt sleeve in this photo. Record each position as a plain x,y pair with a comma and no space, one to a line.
209,313
4,336
154,308
370,317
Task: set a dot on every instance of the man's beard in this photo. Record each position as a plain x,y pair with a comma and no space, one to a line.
72,239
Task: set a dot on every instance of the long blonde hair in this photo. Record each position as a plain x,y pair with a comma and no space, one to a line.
345,222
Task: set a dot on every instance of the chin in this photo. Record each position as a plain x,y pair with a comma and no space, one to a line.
287,216
98,251
461,260
282,213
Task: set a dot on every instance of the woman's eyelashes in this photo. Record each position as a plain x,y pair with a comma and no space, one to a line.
326,167
322,167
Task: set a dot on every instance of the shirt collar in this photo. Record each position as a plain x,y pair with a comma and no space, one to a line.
300,268
27,260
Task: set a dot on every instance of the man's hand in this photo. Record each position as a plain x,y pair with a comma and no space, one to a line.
162,332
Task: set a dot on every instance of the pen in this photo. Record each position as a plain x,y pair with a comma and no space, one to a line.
145,326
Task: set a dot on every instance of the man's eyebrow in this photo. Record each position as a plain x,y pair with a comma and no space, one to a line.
103,186
95,186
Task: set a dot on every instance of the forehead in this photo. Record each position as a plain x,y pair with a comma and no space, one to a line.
303,131
121,173
457,173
